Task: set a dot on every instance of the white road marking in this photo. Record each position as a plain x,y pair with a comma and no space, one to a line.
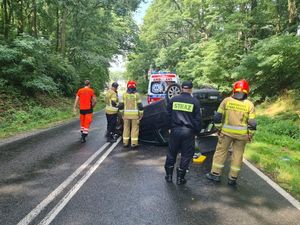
286,195
64,201
36,211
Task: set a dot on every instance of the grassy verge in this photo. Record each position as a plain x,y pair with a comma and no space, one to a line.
20,115
276,145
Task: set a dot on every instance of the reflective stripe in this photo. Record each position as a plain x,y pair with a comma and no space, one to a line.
218,165
235,129
128,110
126,138
111,108
218,125
234,168
241,90
134,139
133,112
85,131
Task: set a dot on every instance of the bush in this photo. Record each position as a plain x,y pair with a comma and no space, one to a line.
29,65
279,132
273,65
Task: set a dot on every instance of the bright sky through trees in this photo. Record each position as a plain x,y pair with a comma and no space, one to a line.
119,64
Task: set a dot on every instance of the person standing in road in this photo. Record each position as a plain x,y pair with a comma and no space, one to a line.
87,101
111,111
131,108
185,122
235,119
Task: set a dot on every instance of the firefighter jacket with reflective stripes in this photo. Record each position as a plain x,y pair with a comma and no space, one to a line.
131,106
184,111
111,102
238,117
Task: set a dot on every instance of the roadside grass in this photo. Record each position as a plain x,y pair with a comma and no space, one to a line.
276,145
30,115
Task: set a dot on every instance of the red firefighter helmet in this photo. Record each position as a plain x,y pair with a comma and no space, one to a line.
131,84
241,86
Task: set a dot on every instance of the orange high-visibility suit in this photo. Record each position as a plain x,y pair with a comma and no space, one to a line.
86,96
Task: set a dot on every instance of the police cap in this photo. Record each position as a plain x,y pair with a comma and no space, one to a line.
187,84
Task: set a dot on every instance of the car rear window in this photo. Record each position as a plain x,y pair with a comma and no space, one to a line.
160,87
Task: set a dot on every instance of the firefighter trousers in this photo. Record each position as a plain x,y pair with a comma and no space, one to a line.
85,122
238,147
111,123
181,140
131,131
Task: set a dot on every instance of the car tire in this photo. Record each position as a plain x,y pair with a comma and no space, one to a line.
173,90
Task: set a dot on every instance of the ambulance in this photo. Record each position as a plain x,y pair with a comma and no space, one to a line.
162,85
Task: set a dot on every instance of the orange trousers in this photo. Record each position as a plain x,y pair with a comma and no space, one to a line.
85,122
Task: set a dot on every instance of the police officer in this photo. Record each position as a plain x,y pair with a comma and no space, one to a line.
111,111
87,101
184,114
236,120
131,109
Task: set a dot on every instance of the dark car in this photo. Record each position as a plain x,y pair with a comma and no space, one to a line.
154,124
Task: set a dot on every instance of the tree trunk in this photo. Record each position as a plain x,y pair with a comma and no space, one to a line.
57,28
20,18
292,9
278,19
63,30
5,20
34,19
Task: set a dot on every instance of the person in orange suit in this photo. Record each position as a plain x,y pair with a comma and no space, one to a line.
87,100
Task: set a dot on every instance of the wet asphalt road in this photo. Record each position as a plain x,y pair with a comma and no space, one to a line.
128,187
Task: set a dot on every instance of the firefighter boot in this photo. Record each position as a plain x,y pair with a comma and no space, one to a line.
169,173
180,176
110,138
232,181
213,176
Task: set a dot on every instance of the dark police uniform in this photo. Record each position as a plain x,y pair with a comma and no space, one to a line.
184,115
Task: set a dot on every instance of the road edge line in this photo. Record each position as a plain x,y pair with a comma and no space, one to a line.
64,201
274,185
43,204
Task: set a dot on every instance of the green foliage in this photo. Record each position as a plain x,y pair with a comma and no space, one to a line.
142,85
28,65
273,65
278,126
218,42
28,114
278,131
276,148
63,43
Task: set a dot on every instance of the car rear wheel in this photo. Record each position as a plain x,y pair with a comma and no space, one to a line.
173,90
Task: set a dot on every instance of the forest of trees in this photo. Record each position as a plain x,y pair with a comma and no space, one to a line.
50,46
216,42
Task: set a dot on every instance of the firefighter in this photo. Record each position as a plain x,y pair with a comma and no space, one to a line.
131,109
235,119
111,111
185,122
87,101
